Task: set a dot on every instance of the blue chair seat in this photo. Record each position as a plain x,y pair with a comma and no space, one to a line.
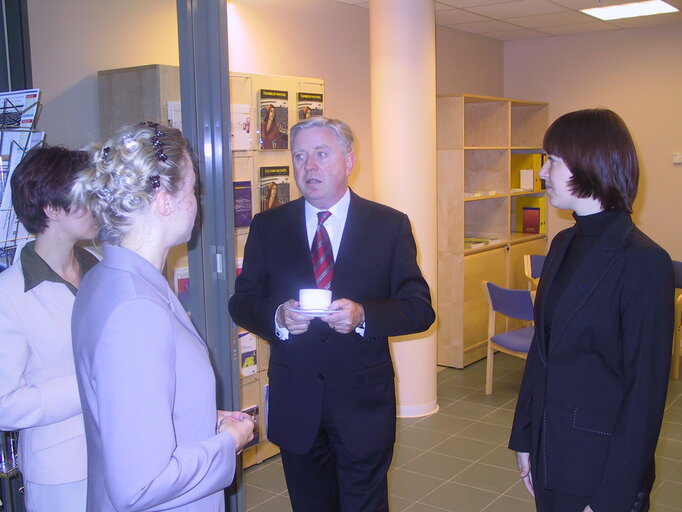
517,340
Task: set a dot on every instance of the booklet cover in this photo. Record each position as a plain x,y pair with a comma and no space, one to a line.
248,354
274,186
253,412
310,104
274,119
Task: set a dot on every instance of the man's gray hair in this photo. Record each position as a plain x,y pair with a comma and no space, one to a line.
341,129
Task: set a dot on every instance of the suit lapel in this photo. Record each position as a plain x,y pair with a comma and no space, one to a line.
294,238
355,236
582,285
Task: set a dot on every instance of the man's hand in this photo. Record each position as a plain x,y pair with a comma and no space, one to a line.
238,424
289,317
523,463
346,317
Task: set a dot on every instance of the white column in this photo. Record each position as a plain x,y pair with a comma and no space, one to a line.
403,99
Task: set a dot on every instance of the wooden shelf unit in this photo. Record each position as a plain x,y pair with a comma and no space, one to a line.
476,137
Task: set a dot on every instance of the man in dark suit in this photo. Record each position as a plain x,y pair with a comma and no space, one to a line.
332,397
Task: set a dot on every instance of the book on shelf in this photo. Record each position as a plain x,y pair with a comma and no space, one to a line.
274,119
310,104
523,219
531,219
471,242
525,169
274,186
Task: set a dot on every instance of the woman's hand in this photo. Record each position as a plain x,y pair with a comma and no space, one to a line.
523,463
239,425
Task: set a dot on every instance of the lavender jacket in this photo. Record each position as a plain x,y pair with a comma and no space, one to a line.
148,394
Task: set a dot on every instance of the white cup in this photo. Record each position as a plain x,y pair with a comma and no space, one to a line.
315,298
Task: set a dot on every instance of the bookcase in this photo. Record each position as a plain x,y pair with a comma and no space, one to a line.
152,93
483,145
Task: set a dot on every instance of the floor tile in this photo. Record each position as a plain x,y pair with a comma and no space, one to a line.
675,473
467,410
668,494
278,503
270,478
411,486
508,504
456,497
255,495
437,465
464,448
673,415
403,454
397,504
502,457
486,432
488,478
519,492
669,449
503,417
445,424
671,431
420,438
422,507
497,399
453,391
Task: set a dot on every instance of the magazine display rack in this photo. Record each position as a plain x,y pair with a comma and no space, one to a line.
490,200
18,112
261,170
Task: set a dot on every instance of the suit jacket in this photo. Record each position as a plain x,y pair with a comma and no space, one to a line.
376,266
38,390
592,398
148,394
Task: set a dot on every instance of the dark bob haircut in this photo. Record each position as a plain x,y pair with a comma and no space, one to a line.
43,178
596,146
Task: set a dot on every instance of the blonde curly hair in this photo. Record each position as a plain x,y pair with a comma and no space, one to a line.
126,171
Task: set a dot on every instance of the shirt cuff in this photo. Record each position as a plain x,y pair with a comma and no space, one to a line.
360,329
281,332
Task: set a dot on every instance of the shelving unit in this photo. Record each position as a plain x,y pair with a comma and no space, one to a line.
477,195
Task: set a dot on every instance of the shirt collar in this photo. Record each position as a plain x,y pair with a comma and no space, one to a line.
36,270
338,210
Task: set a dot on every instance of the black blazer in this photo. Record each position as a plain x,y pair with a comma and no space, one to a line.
376,266
592,399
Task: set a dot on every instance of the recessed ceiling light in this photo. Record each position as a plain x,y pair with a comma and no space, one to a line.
631,10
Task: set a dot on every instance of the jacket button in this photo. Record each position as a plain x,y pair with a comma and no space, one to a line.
320,376
640,495
324,338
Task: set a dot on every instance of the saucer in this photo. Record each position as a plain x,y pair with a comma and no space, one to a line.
315,312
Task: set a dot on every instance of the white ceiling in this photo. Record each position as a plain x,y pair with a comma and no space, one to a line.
524,19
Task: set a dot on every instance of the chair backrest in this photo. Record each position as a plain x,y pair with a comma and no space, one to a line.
677,269
509,302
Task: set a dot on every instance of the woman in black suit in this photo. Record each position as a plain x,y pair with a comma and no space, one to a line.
591,403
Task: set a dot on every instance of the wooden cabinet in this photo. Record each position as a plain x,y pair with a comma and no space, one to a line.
480,234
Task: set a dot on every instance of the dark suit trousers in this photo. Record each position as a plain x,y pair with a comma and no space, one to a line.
330,479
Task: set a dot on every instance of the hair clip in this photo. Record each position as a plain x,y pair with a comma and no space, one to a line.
155,180
106,153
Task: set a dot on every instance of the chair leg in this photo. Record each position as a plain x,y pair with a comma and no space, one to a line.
489,369
675,370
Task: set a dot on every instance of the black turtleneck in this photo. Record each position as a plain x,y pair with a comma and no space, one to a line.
588,230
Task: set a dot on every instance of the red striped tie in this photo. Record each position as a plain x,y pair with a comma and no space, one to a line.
321,254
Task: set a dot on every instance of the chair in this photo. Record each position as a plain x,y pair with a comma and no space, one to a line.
514,304
675,370
532,265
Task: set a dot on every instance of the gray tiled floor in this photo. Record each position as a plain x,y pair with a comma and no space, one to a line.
457,460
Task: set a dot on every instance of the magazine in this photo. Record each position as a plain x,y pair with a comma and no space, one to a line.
242,203
310,104
274,119
274,186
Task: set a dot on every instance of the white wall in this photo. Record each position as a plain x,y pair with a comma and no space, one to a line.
638,74
73,39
